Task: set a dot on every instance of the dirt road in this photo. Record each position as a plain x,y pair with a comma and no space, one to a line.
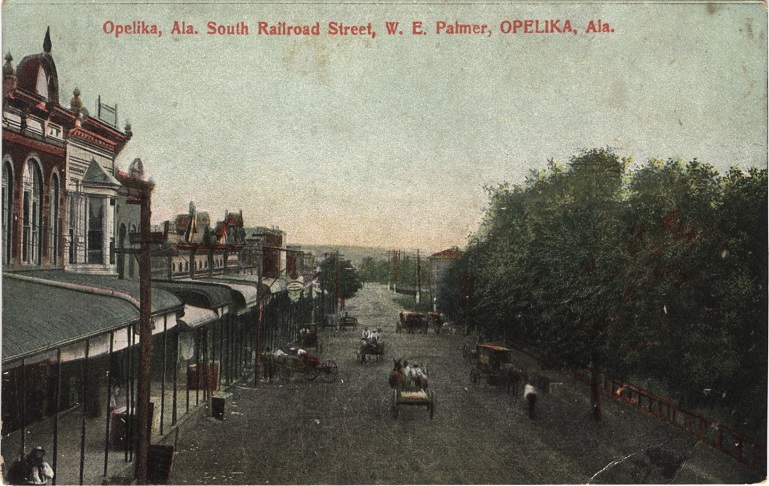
300,432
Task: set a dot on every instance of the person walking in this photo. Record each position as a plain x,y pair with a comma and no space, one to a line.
530,395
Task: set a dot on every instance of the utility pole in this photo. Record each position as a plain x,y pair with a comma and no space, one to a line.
140,192
336,283
259,325
388,273
419,279
396,255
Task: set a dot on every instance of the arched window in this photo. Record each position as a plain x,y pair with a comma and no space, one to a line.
53,244
7,211
32,213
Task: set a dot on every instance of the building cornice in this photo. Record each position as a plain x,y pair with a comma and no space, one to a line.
92,138
14,137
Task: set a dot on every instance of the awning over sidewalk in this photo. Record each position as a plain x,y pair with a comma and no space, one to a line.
162,300
198,293
39,318
244,288
41,314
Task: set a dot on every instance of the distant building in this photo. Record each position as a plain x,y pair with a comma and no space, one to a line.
193,247
270,242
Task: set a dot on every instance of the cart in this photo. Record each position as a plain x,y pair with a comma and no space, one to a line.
348,321
309,366
494,366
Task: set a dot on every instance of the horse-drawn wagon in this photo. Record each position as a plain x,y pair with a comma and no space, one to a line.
347,321
494,365
371,346
410,388
288,361
412,322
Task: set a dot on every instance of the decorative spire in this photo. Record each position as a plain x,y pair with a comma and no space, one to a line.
47,41
8,67
9,76
127,129
136,169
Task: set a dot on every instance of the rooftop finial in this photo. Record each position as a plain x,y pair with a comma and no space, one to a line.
76,104
47,41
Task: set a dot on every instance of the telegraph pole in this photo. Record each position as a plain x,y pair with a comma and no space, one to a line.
140,192
396,254
259,322
419,279
336,284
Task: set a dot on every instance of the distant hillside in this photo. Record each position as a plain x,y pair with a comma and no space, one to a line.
355,254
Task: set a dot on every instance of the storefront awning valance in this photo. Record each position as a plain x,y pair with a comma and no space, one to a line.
197,316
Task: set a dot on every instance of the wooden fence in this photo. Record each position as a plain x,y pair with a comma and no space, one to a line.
732,443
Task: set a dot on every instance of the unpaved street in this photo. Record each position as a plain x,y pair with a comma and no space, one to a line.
343,433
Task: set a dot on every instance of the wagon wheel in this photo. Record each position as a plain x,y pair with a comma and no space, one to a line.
310,372
284,373
330,373
475,376
395,403
380,356
431,404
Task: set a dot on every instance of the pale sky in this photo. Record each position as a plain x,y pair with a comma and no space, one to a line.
389,141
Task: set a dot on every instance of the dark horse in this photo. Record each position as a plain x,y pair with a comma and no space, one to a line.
397,380
513,378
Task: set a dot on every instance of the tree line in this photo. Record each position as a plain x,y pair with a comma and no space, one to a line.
655,271
406,270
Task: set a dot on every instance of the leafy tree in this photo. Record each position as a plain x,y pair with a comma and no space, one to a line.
658,273
378,271
339,278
